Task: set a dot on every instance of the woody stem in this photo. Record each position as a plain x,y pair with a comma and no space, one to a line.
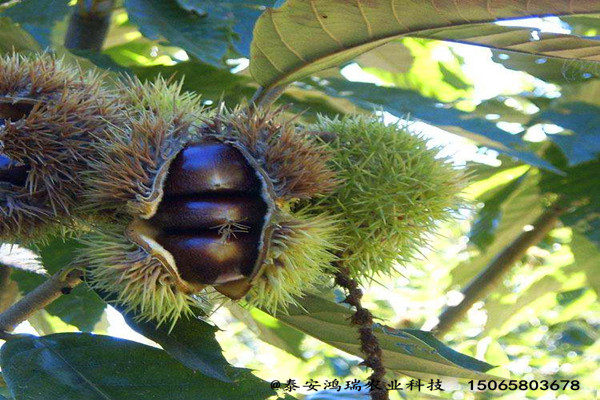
369,342
58,284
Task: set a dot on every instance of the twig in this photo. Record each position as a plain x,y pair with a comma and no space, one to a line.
59,284
369,342
89,25
482,284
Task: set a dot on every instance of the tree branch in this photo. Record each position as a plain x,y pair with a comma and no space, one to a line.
483,283
89,25
369,342
59,284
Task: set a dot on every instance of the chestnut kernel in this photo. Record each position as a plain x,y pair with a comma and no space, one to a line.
210,167
212,214
208,212
205,258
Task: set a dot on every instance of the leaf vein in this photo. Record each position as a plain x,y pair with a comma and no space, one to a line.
456,5
488,8
364,17
397,17
97,389
314,9
286,44
440,11
268,58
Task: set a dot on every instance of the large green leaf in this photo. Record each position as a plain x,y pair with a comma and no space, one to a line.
38,17
206,37
402,102
15,38
497,107
340,31
407,351
79,366
81,307
241,15
191,341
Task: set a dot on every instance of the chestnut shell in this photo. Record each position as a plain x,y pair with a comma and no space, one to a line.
211,216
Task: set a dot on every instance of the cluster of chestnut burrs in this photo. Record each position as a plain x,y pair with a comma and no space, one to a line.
177,205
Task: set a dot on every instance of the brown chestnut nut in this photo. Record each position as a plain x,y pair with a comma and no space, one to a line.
212,213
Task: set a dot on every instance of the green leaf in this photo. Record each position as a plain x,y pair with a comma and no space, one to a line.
407,351
340,31
277,333
39,24
205,37
3,388
444,81
269,329
504,316
521,206
497,106
586,255
400,103
552,70
191,341
81,307
394,57
569,296
582,141
76,366
483,231
579,188
140,52
532,42
240,15
14,37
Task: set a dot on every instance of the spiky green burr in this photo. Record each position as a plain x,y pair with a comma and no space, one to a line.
394,192
205,204
50,114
